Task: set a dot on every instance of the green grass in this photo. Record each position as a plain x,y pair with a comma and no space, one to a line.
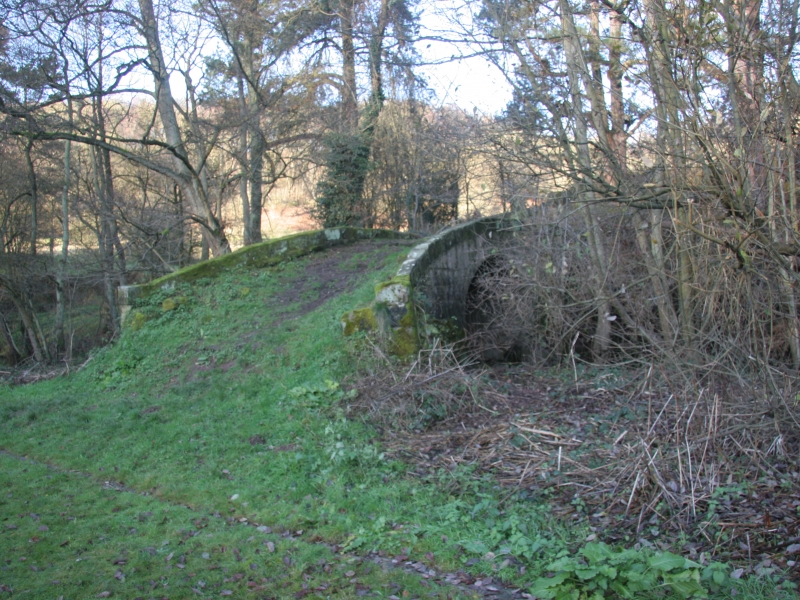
65,534
225,413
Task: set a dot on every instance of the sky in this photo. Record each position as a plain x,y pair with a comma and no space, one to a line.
469,83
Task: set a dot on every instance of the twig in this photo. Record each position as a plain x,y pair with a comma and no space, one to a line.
633,491
653,426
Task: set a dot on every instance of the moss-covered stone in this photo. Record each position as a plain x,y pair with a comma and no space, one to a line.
390,315
360,319
393,293
404,340
136,320
397,280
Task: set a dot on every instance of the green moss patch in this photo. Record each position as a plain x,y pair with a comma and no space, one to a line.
361,319
136,320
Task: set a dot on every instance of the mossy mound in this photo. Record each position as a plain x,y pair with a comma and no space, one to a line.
136,320
257,256
360,319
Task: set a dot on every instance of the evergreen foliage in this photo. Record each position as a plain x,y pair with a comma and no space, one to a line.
339,192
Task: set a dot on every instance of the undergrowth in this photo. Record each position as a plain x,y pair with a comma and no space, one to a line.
225,411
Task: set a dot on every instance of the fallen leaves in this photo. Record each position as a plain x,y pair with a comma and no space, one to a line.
611,457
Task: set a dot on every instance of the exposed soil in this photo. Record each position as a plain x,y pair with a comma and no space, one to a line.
328,274
714,479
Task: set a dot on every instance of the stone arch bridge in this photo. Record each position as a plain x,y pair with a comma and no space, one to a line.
430,289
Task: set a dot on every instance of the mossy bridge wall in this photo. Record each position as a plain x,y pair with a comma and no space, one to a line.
429,290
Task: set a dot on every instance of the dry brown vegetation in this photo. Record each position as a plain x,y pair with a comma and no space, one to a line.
698,464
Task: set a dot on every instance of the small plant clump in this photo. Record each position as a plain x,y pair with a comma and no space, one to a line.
598,572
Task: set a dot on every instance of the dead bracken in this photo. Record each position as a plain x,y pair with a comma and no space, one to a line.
634,458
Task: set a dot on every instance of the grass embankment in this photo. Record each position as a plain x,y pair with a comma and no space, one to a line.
208,454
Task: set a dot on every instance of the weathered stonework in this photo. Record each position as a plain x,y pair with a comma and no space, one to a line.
429,292
257,256
360,319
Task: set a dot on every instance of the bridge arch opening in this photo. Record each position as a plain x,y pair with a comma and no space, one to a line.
495,331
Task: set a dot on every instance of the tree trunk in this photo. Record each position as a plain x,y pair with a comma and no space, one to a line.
243,161
657,39
14,355
576,66
104,242
373,109
104,188
618,137
651,244
187,178
30,323
257,143
349,85
61,301
34,192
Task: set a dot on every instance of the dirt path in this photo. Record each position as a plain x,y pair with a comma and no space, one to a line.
333,272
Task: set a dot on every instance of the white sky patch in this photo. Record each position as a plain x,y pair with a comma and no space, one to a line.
452,70
469,83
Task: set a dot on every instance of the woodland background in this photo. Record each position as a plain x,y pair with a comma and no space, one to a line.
649,149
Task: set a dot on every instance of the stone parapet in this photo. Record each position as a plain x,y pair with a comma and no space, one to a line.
256,256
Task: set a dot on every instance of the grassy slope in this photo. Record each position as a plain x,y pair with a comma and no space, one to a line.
170,411
216,416
66,535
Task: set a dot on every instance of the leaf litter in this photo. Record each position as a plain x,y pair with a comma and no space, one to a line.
637,461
